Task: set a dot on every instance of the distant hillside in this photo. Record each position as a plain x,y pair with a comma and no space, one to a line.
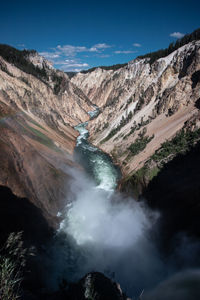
194,36
113,67
71,74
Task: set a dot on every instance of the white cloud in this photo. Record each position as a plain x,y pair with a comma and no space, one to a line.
66,56
65,62
124,51
69,50
102,46
83,65
137,45
71,65
21,45
68,68
70,60
177,35
99,47
103,55
77,70
49,55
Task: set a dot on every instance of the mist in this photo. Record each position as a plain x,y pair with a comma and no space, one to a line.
104,231
182,286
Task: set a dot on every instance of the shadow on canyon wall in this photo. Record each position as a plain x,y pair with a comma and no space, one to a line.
19,214
175,192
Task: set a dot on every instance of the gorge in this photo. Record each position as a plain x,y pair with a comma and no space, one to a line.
105,165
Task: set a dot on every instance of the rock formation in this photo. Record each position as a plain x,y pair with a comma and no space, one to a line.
38,107
143,105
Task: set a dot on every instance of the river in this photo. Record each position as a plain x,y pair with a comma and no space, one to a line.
97,164
102,230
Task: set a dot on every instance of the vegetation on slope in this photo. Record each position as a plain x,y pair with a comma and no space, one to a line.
107,68
182,143
71,74
122,123
18,59
137,181
140,144
194,36
57,83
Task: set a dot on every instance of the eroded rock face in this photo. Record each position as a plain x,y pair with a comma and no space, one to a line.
55,99
31,156
36,135
143,100
38,60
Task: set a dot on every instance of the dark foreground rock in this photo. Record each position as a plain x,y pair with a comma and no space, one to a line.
93,286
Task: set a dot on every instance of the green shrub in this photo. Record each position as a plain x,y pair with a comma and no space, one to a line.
130,100
106,125
113,67
19,59
123,122
57,79
182,142
13,257
139,144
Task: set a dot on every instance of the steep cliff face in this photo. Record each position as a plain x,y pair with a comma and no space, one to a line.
31,155
143,104
37,104
49,95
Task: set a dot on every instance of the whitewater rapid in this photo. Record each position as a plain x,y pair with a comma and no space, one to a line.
85,215
97,164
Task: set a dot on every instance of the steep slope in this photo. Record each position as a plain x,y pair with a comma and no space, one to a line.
38,107
31,155
143,104
175,191
41,90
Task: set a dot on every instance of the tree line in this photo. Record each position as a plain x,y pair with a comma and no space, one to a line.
194,36
19,59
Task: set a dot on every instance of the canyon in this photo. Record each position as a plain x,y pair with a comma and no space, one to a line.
147,121
158,99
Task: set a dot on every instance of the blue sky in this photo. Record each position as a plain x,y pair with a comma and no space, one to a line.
78,35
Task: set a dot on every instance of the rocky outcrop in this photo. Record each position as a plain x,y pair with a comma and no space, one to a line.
95,286
142,104
38,60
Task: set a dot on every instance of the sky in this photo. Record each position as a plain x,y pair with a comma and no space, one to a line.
77,35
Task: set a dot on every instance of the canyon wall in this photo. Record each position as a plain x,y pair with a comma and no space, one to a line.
142,105
149,122
37,111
